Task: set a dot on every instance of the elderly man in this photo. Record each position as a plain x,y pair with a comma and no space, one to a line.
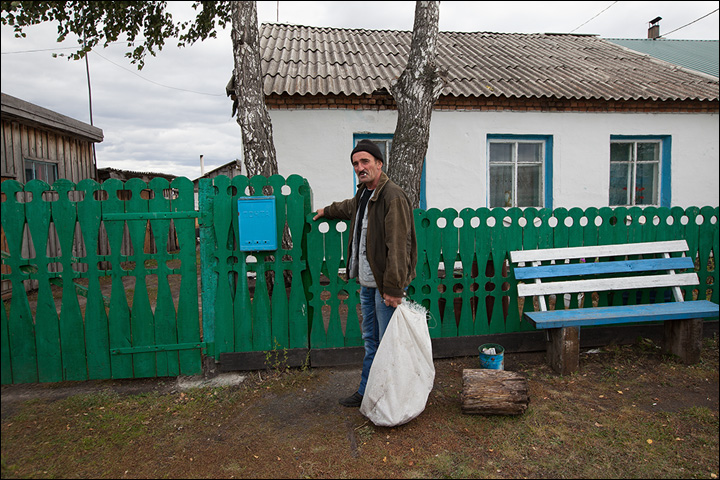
382,250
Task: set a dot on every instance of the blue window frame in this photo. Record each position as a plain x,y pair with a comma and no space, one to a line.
519,170
640,170
384,142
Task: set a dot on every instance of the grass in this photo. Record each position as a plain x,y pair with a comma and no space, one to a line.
630,412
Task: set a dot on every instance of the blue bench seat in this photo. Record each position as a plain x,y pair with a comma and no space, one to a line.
655,312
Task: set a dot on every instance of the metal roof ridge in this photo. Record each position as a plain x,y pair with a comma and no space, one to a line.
667,63
333,28
661,39
274,24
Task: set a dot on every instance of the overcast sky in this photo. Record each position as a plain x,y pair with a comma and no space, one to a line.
162,118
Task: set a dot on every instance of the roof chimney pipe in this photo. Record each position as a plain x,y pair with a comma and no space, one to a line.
654,28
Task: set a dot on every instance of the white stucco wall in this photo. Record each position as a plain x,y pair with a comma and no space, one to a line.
317,143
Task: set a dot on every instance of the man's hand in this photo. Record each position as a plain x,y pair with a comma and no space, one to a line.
320,213
392,301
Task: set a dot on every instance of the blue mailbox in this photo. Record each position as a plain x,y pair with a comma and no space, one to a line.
257,224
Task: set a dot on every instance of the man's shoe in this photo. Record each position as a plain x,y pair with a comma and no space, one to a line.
353,400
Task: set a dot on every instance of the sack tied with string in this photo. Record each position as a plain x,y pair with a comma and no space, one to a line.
402,374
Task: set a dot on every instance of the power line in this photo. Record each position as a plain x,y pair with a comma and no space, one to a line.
156,83
40,50
571,31
117,65
691,22
51,49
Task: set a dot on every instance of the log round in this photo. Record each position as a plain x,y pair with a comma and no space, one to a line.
494,392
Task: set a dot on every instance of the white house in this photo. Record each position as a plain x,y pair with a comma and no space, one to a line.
543,120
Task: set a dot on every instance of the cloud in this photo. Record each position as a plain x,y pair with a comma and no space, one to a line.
162,118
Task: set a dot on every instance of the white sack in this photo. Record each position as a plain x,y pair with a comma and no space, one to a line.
402,374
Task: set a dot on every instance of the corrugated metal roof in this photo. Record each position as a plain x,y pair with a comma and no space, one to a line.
319,60
699,55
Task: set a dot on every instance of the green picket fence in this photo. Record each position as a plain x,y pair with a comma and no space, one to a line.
463,274
114,272
85,239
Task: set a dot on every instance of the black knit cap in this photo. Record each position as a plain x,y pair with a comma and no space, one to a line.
366,145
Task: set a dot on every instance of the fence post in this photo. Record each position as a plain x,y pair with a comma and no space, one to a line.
208,262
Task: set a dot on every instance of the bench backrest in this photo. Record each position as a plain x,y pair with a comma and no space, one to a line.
556,271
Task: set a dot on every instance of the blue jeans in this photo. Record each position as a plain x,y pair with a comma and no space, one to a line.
376,317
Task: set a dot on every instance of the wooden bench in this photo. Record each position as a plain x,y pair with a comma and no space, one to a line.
611,268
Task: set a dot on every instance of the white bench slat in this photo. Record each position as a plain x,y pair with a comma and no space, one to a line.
607,284
546,254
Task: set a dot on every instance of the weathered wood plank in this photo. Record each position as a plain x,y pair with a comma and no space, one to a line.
684,339
563,350
494,392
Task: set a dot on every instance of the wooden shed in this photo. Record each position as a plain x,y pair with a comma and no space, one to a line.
38,143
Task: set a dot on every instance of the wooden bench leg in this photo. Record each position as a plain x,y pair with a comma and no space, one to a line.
684,339
563,349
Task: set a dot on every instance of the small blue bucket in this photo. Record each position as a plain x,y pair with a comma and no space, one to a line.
489,360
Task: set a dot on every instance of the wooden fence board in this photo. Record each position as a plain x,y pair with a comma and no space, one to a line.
142,320
89,212
120,333
19,321
188,315
47,322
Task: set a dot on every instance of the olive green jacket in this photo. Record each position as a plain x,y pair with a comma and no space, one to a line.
391,241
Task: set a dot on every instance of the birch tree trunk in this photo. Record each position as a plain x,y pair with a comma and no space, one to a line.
252,114
415,93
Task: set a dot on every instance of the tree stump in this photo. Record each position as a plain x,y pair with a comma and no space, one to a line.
494,392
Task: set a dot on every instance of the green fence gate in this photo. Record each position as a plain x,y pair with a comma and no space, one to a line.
91,268
253,301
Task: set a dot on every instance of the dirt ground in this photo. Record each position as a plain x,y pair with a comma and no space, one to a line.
290,425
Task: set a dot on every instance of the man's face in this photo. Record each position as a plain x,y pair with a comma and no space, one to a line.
367,168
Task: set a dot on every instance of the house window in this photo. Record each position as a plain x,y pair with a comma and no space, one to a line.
637,171
37,170
384,143
519,171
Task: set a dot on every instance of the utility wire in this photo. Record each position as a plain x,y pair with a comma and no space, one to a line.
120,66
51,49
571,31
156,83
40,50
691,22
